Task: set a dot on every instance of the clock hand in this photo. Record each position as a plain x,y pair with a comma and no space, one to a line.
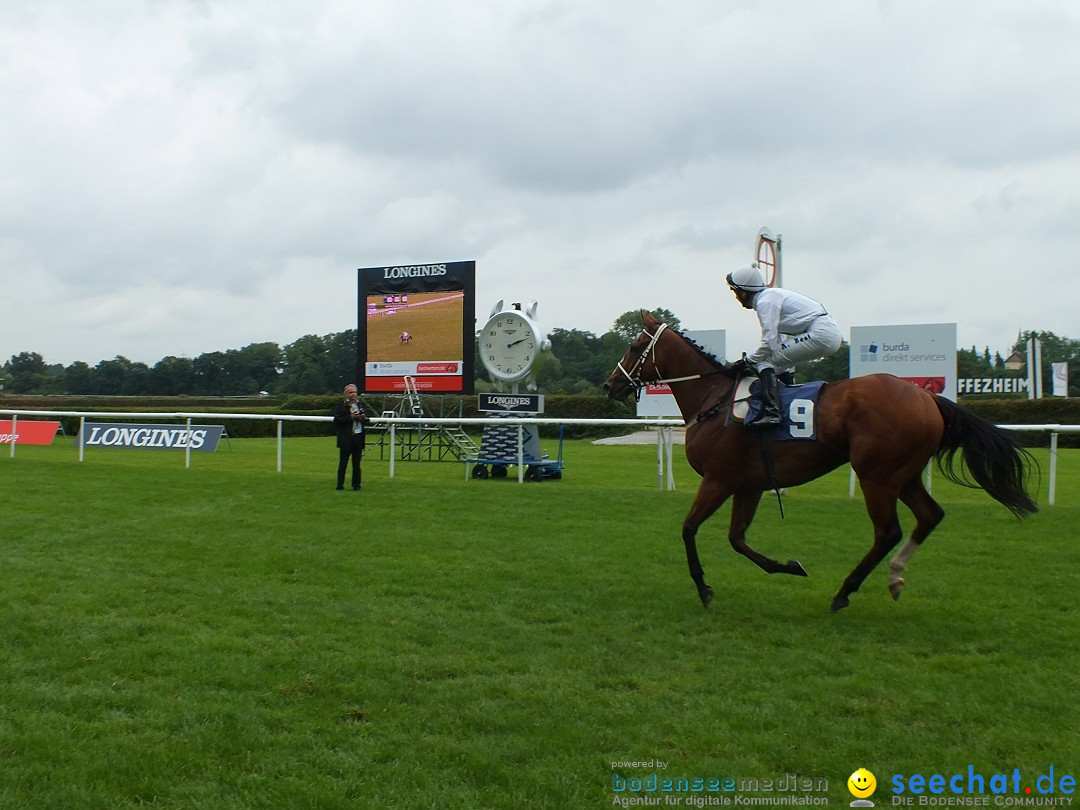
515,343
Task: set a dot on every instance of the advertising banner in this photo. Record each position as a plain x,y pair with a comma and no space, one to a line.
201,438
923,354
991,385
26,431
1061,379
510,403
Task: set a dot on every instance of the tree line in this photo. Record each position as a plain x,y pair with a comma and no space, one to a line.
578,363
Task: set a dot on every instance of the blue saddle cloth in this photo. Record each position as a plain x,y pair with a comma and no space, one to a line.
798,406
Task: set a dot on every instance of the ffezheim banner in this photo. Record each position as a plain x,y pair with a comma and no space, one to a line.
200,438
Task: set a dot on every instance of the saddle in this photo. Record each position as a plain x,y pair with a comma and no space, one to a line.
798,405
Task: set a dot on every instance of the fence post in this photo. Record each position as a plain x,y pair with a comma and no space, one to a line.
669,441
14,430
660,459
393,441
521,452
279,445
1053,464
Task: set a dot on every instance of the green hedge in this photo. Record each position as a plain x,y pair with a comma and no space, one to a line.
448,406
1046,411
1003,411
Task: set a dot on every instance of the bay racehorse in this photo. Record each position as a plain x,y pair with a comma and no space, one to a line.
887,428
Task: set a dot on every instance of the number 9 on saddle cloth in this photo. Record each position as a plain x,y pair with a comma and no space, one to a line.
798,404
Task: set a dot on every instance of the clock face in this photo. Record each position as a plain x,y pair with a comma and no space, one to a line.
508,346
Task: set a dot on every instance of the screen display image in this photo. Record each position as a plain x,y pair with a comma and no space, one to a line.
415,328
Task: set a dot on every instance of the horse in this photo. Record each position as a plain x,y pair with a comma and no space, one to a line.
405,337
887,428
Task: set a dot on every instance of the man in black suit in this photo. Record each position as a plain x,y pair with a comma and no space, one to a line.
349,420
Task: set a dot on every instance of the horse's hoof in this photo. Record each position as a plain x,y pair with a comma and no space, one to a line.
795,567
896,588
706,596
839,603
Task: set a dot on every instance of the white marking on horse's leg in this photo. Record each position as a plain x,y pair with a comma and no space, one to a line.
897,566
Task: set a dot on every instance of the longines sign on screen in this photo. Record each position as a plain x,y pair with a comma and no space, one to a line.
200,438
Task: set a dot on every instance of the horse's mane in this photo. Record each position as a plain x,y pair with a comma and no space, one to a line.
700,349
719,365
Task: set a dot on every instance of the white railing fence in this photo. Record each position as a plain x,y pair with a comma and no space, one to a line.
664,433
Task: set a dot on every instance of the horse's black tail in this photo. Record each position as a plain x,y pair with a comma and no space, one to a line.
991,456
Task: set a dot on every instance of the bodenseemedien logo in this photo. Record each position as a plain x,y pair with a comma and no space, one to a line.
862,785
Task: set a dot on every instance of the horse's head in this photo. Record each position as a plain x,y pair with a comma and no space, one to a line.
638,365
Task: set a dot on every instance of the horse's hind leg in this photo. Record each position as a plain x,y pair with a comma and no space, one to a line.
881,506
743,508
709,498
928,514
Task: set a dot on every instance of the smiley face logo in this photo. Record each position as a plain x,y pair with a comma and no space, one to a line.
861,783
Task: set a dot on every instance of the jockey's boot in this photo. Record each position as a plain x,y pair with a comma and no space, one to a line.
770,398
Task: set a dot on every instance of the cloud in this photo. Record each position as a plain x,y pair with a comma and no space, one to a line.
163,161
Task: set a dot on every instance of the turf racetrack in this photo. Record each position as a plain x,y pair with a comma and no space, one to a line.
227,636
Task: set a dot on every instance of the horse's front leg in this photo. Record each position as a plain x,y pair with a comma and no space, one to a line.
743,507
710,497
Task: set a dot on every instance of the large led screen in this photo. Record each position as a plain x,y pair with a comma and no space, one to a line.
416,322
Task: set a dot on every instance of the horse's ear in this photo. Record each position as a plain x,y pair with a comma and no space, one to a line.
648,319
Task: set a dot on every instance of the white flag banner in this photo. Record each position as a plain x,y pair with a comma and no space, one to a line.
1061,379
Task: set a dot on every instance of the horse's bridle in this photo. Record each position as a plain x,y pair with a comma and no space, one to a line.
633,376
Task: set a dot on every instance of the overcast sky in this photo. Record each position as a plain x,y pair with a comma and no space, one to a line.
179,177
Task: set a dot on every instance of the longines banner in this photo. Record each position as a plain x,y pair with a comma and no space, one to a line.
201,438
510,403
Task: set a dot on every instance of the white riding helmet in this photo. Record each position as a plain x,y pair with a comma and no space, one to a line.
747,278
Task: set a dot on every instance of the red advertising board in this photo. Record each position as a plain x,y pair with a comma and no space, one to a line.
424,385
27,431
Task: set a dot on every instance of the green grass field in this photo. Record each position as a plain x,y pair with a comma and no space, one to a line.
228,636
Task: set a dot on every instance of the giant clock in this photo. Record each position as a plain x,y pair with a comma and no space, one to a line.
509,344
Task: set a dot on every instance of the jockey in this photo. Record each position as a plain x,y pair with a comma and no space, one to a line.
794,329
